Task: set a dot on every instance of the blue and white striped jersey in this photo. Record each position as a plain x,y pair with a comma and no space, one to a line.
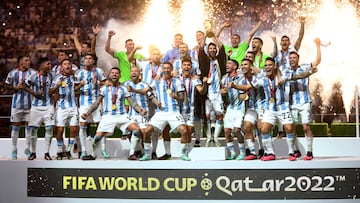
66,91
42,83
161,87
90,91
214,74
148,70
195,69
21,99
282,59
299,89
233,94
140,99
190,89
114,97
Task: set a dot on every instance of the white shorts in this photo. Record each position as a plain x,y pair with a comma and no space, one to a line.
109,122
251,116
19,115
142,121
216,105
68,116
233,118
94,117
301,113
283,116
42,115
189,117
260,113
161,119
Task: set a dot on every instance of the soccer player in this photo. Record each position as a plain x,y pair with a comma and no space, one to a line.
173,54
212,66
112,98
234,112
65,85
300,96
21,102
170,92
260,56
191,84
184,50
42,107
93,78
276,89
141,96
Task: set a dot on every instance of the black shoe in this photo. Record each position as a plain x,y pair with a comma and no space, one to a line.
89,157
47,157
59,156
154,156
197,143
32,156
260,153
132,157
68,155
247,151
138,154
165,157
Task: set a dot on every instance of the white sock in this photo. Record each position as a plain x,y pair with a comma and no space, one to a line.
267,143
208,130
82,136
103,144
230,146
242,148
48,137
33,138
14,136
184,148
70,143
251,145
27,137
167,147
309,143
218,129
133,143
147,148
290,139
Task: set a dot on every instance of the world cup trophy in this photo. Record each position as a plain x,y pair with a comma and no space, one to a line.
209,30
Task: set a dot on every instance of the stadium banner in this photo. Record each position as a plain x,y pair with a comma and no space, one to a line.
211,184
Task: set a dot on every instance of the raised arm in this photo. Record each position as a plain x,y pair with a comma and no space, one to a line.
131,56
275,48
202,88
223,26
76,40
301,34
318,52
263,18
111,33
96,30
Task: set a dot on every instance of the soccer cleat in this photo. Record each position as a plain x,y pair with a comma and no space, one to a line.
32,156
260,153
59,156
83,154
297,153
185,157
68,155
250,157
240,157
268,157
217,144
105,154
231,157
75,148
292,157
197,143
165,157
154,156
145,157
207,143
14,155
47,156
132,157
309,156
88,158
138,153
27,152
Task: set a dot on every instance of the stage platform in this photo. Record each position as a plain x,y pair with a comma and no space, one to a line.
333,176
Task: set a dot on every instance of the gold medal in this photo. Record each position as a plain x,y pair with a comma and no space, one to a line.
63,84
209,80
246,97
168,91
272,100
113,107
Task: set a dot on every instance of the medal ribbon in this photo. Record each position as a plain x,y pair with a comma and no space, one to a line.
272,87
114,95
154,70
168,84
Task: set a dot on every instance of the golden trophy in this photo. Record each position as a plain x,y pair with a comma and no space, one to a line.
209,30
